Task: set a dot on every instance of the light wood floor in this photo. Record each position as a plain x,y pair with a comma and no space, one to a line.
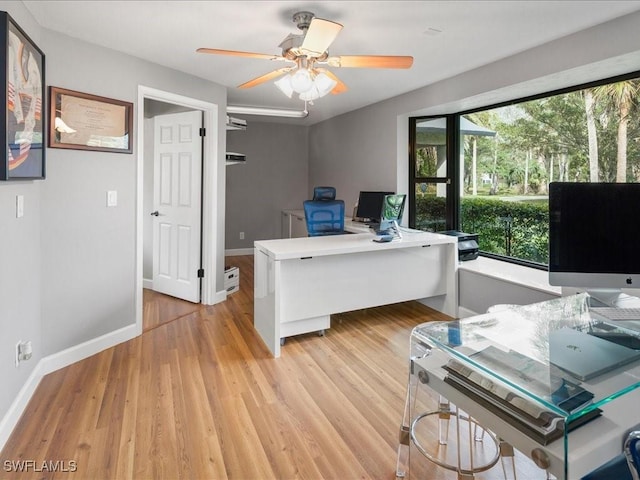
198,396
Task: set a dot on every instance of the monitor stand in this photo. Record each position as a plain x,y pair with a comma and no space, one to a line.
388,227
396,228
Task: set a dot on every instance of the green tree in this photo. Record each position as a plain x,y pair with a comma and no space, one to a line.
623,97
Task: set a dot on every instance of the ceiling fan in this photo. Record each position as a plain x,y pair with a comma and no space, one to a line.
308,56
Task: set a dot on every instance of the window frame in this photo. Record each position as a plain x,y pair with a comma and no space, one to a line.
452,189
453,201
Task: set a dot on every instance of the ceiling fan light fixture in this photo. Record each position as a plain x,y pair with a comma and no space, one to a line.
301,80
310,95
324,83
284,84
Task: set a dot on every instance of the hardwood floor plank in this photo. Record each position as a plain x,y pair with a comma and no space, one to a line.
198,396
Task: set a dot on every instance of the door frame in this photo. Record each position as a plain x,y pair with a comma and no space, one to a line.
210,162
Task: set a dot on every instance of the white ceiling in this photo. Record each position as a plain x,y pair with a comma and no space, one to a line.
471,34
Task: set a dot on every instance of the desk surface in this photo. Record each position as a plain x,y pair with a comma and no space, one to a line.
510,348
288,248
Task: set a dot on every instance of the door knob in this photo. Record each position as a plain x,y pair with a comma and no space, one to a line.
156,213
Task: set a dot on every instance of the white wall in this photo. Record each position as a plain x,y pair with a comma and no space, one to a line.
68,266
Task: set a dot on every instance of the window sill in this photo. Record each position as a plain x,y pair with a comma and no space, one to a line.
508,272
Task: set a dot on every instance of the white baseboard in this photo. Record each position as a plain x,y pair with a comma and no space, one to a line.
55,362
220,297
464,312
238,251
10,420
79,352
147,283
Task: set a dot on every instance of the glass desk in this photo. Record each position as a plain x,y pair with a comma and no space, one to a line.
523,373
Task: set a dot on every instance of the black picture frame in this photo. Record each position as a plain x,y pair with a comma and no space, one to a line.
22,99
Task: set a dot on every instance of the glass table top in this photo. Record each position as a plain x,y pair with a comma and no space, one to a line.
552,352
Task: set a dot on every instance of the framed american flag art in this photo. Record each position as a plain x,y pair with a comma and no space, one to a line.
22,93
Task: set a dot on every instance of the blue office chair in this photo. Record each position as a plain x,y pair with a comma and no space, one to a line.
324,193
625,466
324,217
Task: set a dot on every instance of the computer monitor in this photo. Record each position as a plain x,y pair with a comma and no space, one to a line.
593,235
391,215
370,205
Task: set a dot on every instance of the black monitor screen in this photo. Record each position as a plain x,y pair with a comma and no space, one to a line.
593,234
370,205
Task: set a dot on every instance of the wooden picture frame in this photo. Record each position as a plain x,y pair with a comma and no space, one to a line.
22,124
81,121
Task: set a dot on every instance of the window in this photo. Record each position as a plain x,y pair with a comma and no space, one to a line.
430,189
509,153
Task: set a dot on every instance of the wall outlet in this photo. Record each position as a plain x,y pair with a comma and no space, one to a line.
24,351
241,235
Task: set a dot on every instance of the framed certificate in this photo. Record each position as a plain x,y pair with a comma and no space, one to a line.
22,96
82,121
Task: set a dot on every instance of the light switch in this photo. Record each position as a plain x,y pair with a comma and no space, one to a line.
19,206
112,198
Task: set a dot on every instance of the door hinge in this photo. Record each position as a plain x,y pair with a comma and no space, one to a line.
201,273
203,131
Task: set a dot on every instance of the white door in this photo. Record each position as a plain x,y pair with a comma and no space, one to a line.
177,204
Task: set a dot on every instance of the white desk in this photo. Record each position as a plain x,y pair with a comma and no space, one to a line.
300,282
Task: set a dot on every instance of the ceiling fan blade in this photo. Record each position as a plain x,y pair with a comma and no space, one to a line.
265,78
236,53
319,36
340,86
370,61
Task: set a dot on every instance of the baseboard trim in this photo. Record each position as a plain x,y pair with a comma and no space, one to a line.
55,362
147,283
238,251
464,312
220,297
10,420
79,352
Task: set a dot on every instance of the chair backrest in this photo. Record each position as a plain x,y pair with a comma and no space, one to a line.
324,193
623,466
324,217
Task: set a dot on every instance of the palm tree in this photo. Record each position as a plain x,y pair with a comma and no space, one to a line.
589,106
623,95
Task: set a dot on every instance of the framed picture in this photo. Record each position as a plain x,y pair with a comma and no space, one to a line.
82,121
22,124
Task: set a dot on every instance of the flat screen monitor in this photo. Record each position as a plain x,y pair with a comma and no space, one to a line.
391,215
370,205
393,207
593,235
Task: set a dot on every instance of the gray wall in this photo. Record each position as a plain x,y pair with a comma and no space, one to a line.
20,262
273,178
88,257
67,272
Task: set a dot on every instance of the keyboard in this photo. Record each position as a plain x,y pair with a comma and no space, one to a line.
617,314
